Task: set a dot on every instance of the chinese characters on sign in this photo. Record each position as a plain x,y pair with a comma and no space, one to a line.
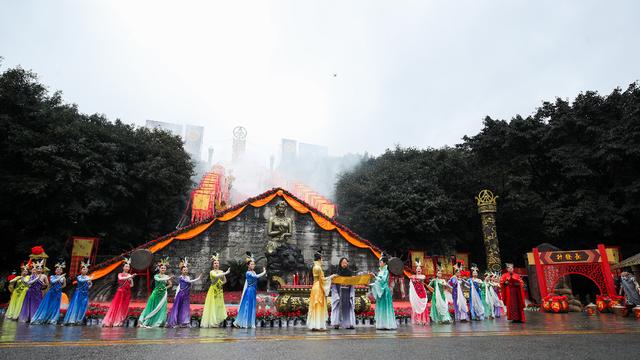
578,256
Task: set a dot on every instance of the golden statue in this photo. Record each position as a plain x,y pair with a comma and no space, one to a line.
279,228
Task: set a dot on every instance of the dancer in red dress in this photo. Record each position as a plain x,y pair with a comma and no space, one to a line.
512,288
119,308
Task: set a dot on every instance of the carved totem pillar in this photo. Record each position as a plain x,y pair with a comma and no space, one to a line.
487,209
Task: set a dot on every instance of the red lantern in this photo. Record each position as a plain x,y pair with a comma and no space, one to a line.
37,250
600,305
636,312
590,310
546,305
565,305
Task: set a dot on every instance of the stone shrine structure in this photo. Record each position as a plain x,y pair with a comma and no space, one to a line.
245,227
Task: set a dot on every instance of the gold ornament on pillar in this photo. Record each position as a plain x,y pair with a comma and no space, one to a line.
487,209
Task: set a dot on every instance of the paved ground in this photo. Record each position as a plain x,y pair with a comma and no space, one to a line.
574,336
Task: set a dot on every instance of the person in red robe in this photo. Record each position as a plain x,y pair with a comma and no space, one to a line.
512,288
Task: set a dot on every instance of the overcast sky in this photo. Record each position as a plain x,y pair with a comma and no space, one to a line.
417,73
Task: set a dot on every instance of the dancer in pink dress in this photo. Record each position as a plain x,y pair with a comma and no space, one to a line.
418,297
119,308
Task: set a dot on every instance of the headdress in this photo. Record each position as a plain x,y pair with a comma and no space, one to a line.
474,267
60,264
24,266
249,257
384,257
163,262
183,263
418,263
39,265
215,257
127,261
318,254
508,264
85,264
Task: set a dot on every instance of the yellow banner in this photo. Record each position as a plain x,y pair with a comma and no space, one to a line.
351,280
82,247
201,201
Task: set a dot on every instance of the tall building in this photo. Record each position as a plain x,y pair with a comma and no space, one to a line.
175,129
289,151
312,152
191,135
193,140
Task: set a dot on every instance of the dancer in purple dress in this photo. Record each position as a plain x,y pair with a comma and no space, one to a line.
180,314
459,301
37,282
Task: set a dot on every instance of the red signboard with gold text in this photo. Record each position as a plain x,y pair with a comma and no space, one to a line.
576,256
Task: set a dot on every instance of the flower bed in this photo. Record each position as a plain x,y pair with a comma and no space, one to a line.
265,315
605,303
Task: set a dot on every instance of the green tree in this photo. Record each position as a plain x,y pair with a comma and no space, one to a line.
65,173
410,198
569,175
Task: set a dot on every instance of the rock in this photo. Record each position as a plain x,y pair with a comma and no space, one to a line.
574,308
575,302
562,291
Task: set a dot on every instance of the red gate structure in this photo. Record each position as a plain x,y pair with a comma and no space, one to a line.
551,266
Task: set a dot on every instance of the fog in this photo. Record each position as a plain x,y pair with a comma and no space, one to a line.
354,76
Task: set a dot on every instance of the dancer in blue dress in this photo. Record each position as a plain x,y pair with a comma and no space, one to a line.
80,300
49,309
476,306
247,309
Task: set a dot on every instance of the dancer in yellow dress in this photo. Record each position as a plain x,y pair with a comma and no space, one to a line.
20,285
214,311
317,315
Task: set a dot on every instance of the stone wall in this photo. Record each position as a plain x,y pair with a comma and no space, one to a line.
247,232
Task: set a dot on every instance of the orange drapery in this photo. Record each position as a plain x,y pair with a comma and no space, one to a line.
296,205
159,246
104,271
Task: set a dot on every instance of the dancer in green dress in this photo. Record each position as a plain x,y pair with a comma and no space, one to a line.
385,316
214,311
488,301
155,313
20,285
439,308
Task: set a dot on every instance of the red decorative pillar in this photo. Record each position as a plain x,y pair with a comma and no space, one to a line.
606,270
542,280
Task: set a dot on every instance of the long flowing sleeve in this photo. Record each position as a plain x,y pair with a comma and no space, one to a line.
381,281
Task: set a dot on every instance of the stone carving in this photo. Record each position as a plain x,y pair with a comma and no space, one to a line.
279,228
284,261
